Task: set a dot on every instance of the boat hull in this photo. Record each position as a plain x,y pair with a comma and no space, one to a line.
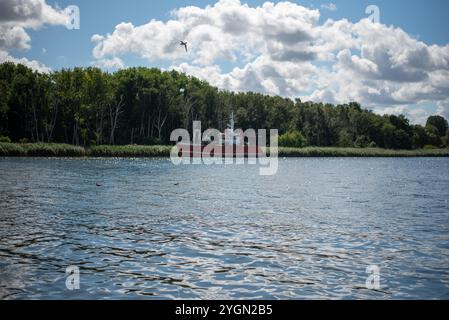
217,151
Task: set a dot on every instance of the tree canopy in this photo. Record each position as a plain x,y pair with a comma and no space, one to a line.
86,106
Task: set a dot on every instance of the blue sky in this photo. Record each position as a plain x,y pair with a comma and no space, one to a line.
400,65
426,20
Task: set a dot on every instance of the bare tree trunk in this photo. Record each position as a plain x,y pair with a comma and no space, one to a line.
142,125
97,129
187,110
149,118
99,123
160,124
75,138
35,123
114,113
51,128
100,140
150,125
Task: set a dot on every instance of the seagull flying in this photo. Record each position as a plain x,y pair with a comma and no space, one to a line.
183,44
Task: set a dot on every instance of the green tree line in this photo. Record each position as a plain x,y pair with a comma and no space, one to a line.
88,107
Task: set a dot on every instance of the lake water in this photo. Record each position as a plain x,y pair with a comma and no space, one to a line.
156,231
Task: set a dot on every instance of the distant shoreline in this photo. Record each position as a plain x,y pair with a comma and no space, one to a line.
135,151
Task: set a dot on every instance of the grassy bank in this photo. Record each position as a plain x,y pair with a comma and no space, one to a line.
129,151
40,150
360,152
63,150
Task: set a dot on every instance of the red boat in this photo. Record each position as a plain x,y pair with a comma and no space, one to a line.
230,145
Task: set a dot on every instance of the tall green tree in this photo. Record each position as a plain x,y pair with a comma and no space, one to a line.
87,106
439,123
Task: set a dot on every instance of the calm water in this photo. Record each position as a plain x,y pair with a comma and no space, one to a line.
157,231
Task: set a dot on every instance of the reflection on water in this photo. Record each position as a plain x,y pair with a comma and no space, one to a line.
156,231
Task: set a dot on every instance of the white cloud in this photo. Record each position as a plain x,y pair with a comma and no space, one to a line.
30,13
415,115
329,6
18,15
443,108
112,63
283,49
33,64
226,30
13,37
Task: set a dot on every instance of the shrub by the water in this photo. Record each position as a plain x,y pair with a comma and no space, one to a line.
293,139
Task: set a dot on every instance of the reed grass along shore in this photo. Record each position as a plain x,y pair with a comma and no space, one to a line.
135,151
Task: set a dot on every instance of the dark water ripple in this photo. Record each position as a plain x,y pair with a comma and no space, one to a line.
157,231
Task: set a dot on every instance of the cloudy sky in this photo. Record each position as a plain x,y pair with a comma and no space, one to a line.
325,51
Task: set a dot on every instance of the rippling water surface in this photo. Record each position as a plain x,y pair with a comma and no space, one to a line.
156,231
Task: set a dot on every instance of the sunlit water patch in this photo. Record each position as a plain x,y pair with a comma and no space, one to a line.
156,231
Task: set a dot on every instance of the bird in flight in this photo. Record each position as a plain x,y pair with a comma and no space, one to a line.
183,44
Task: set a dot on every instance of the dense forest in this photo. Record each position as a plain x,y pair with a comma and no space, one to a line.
88,107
